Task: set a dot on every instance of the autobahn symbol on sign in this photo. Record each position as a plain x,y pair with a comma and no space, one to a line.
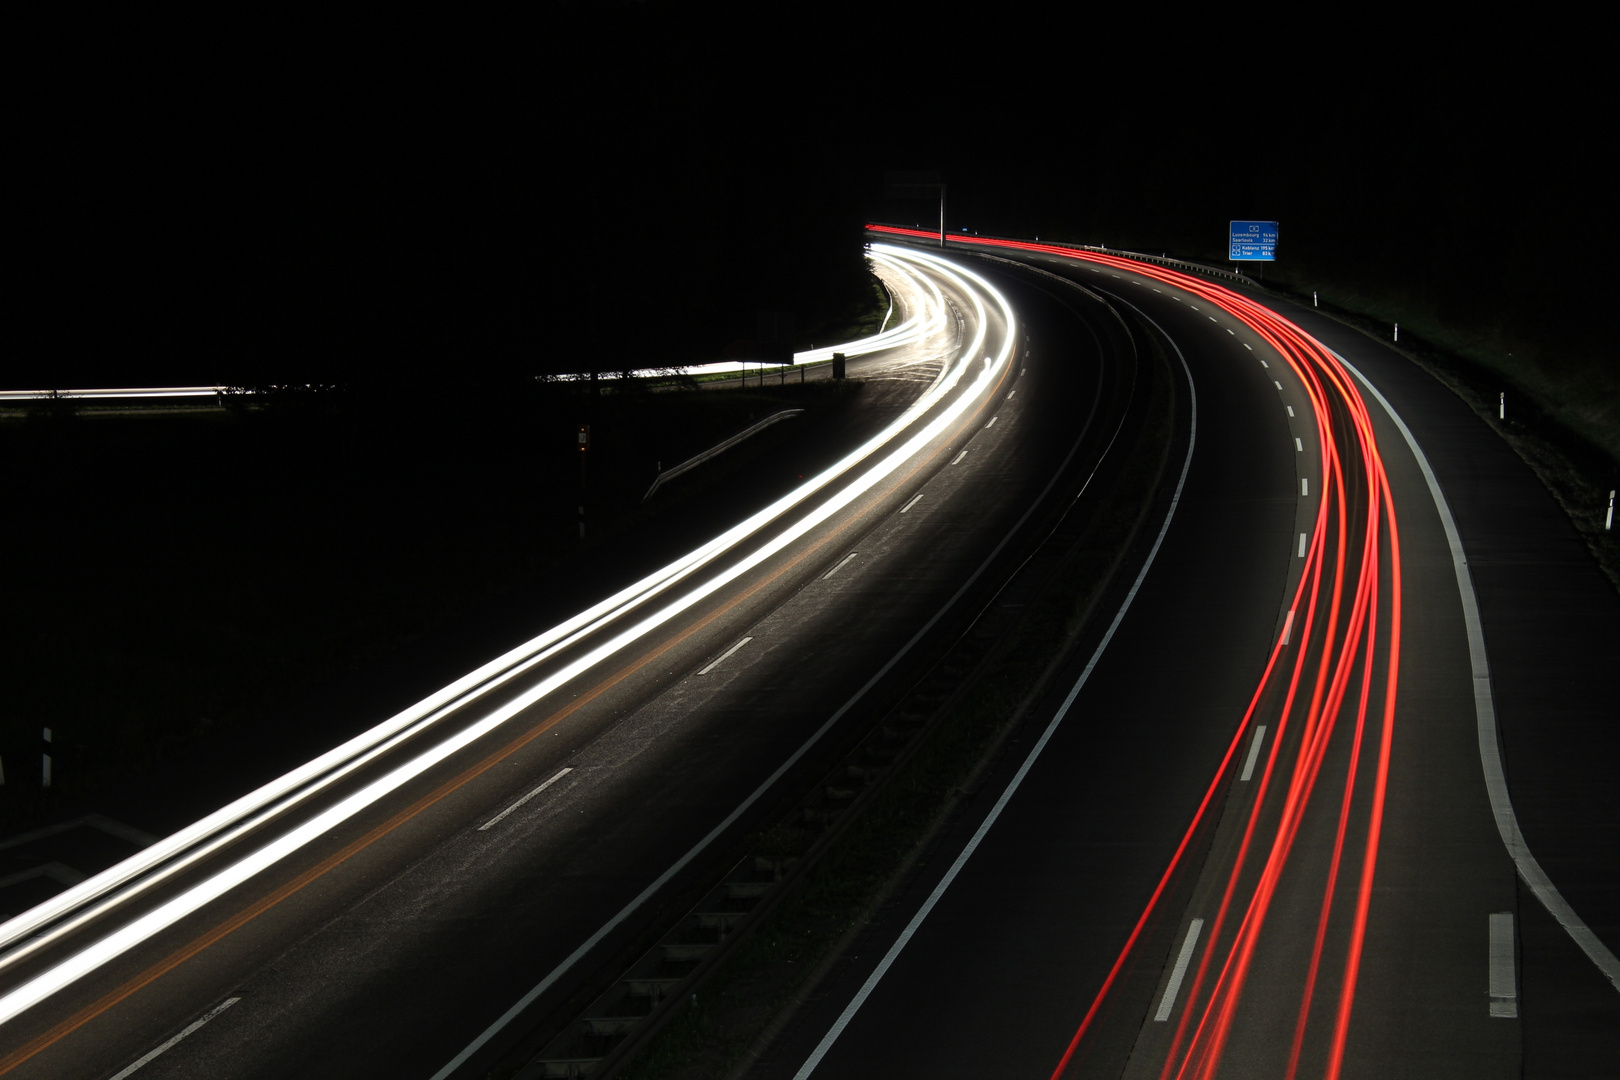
1254,241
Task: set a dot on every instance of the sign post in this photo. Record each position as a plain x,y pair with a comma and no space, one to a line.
584,435
913,185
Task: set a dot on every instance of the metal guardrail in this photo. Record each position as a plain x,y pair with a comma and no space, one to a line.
116,393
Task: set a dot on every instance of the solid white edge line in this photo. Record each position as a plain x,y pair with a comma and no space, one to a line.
1254,753
1504,986
1490,754
770,781
1179,972
498,817
147,1060
1023,770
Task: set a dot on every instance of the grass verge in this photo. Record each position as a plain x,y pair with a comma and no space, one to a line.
1571,447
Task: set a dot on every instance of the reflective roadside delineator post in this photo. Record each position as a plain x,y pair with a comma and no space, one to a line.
584,437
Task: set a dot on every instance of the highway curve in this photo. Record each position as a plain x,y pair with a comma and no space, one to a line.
417,900
1255,831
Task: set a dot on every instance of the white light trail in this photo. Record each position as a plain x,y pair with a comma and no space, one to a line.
184,848
164,859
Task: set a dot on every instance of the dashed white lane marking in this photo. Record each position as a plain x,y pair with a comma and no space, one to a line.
912,502
1302,545
992,423
1288,626
841,564
717,661
1213,319
1254,753
1279,385
1304,487
910,930
1299,447
217,1009
1504,987
1265,365
958,457
1178,972
1246,345
1011,394
1231,331
497,818
1290,410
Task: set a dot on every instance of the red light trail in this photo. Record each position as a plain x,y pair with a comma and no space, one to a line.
1342,665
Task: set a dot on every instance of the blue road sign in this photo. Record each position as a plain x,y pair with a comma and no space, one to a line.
1254,241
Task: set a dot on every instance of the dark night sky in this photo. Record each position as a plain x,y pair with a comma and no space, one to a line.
285,199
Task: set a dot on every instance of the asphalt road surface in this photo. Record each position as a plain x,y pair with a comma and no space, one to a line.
1166,889
379,913
1163,889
